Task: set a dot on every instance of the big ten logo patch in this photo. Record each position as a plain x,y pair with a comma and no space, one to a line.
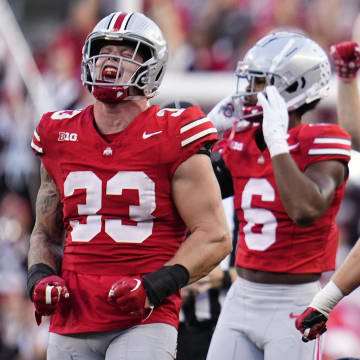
66,136
235,145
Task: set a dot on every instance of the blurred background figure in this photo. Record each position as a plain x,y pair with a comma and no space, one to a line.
62,60
19,339
206,38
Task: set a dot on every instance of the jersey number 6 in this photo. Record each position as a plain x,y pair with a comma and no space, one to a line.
258,216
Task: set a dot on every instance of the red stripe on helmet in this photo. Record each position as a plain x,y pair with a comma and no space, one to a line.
119,21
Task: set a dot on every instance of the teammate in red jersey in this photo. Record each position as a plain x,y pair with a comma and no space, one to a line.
124,181
288,179
312,322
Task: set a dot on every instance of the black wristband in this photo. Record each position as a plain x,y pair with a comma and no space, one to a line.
226,282
35,273
164,282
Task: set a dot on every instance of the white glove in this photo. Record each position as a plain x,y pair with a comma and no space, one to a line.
275,121
223,116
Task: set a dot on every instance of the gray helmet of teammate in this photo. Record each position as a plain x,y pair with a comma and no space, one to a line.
295,64
147,40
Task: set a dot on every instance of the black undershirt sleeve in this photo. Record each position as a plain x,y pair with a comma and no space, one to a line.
222,174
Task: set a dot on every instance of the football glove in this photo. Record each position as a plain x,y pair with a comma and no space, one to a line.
275,121
47,294
129,295
311,323
223,115
346,57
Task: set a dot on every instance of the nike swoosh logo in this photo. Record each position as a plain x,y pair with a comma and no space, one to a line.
292,316
145,135
291,147
136,286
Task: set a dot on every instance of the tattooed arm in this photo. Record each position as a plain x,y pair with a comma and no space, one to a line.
46,241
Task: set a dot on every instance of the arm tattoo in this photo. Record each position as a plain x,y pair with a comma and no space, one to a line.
46,242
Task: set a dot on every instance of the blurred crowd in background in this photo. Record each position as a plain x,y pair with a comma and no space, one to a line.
203,36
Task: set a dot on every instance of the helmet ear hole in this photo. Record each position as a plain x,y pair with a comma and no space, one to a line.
293,87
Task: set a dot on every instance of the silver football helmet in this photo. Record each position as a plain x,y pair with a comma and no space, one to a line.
146,39
295,64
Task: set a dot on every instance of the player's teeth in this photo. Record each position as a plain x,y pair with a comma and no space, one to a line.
109,72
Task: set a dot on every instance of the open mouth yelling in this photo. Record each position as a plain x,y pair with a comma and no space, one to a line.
109,73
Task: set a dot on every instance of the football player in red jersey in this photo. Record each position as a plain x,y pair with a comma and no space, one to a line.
288,179
121,183
312,322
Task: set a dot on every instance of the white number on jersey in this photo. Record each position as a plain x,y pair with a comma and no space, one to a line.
113,227
175,112
64,114
258,216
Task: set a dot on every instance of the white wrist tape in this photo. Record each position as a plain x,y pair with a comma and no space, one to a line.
279,147
326,299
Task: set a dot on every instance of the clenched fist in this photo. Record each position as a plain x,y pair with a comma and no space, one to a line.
346,57
129,295
311,323
47,294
